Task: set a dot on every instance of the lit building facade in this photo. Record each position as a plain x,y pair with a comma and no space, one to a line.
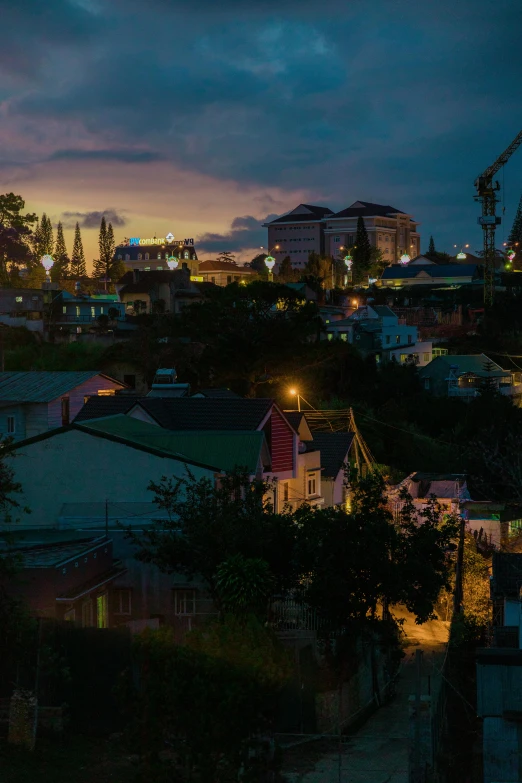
317,229
147,254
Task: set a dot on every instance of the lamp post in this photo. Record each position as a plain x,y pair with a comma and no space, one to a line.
461,255
172,263
295,393
47,262
270,263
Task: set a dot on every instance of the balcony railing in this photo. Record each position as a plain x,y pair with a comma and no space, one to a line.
80,319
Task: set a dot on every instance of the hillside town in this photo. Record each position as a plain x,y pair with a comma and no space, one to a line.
260,392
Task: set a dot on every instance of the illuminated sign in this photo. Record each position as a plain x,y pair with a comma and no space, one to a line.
197,278
167,240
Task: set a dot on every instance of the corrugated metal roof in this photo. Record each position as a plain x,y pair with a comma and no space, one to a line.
473,363
40,386
435,271
47,556
219,450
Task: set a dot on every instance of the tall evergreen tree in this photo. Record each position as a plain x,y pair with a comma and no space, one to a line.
431,248
78,267
362,252
110,249
516,230
37,240
47,239
60,270
100,264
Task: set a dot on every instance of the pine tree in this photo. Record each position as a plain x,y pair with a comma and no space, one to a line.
362,252
515,235
110,249
431,248
47,239
60,269
286,272
78,267
100,264
37,241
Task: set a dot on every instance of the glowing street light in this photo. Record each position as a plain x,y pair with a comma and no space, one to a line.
270,263
404,259
295,393
172,263
47,262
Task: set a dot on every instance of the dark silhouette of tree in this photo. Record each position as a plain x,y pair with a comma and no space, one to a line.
515,235
286,272
362,252
78,267
15,237
258,263
226,256
60,269
431,248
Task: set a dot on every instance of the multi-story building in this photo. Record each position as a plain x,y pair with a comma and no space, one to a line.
309,228
154,252
393,232
223,272
297,234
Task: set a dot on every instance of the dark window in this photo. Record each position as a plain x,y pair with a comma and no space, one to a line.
229,278
65,411
130,380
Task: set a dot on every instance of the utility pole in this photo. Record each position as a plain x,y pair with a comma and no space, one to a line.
106,519
457,597
417,771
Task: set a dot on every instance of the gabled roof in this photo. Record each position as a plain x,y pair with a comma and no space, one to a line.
397,271
302,214
95,407
367,209
196,413
298,422
43,385
217,394
52,555
220,450
383,311
473,364
334,448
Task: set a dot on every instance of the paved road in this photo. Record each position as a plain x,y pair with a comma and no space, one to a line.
378,752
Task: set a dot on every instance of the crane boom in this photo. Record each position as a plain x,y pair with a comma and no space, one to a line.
497,165
486,190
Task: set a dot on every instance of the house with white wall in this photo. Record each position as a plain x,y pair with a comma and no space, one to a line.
34,402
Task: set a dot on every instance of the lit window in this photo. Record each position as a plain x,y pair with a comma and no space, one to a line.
64,309
426,357
11,425
139,256
102,615
404,356
18,299
397,338
77,310
344,336
330,336
159,267
147,268
184,602
186,254
93,312
159,256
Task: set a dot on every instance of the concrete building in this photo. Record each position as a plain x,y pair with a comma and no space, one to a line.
157,291
81,311
393,232
298,233
223,272
154,252
310,228
23,307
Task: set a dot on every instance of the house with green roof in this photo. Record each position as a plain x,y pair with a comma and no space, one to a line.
37,401
466,376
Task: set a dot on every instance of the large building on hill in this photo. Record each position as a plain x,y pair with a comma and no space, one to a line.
153,252
309,228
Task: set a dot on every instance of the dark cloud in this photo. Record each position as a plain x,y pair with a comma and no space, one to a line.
401,102
246,232
92,219
124,156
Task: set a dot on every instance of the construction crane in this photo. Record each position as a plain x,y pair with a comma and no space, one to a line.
486,193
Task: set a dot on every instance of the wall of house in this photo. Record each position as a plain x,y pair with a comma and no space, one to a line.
77,399
76,467
333,490
282,443
36,419
19,414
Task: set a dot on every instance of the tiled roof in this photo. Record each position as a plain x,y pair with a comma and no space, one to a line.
97,581
192,413
334,448
367,209
95,407
314,213
397,271
474,363
294,418
47,556
217,394
41,386
219,450
224,266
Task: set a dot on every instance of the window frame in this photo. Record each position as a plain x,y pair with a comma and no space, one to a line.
11,430
183,597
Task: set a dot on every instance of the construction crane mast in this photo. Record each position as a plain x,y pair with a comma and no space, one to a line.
486,193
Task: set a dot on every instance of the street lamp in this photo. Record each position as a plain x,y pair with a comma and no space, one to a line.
461,255
270,263
47,262
295,393
172,263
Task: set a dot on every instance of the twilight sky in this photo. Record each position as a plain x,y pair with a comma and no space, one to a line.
205,117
